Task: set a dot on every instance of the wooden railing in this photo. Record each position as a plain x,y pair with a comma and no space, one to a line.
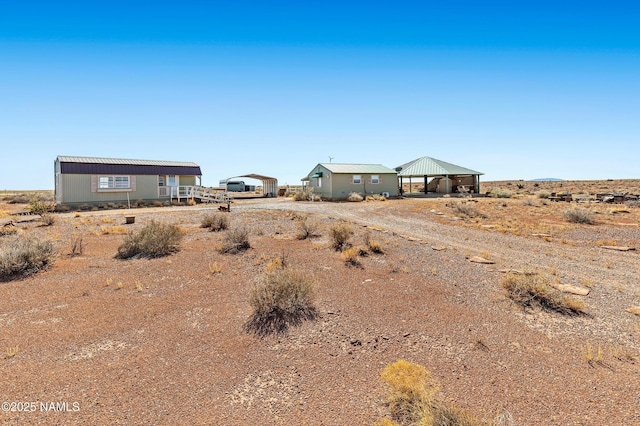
191,192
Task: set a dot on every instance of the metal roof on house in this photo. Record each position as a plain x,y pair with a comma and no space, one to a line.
91,165
358,168
427,166
98,160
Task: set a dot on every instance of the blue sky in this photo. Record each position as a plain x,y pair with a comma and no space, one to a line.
515,91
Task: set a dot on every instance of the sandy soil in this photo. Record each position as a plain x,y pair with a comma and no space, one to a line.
161,341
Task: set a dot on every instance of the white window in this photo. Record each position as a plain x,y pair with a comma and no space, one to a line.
319,182
356,179
161,181
375,179
114,182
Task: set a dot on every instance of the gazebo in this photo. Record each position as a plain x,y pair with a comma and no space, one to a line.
439,176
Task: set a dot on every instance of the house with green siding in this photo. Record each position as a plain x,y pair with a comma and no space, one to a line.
335,181
90,180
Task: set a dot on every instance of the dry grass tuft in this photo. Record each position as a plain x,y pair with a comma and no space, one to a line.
47,219
215,221
375,246
8,229
155,239
235,241
529,290
412,398
282,298
306,229
466,209
350,257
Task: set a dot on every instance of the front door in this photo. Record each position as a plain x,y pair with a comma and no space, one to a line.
172,183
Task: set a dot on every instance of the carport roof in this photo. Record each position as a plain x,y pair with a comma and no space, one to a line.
427,166
259,177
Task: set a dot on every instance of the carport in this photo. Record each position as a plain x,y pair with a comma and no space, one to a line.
440,177
269,184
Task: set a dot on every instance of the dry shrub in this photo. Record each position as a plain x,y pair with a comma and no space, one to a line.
25,256
47,219
529,290
411,391
413,400
501,193
340,235
306,229
39,206
282,298
579,215
235,241
503,418
350,256
19,199
375,246
302,195
543,194
468,210
155,239
215,221
77,248
8,229
355,197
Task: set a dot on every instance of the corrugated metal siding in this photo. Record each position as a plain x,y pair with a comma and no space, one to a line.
121,166
127,169
77,189
187,180
342,185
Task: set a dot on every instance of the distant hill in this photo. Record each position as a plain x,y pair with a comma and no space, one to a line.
545,180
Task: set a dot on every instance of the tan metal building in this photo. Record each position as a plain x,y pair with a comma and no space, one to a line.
335,181
90,180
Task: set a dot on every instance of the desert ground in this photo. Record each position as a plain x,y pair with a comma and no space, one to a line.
163,340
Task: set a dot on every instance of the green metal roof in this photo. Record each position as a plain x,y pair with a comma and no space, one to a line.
427,166
358,168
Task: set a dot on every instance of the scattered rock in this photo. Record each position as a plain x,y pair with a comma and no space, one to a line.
541,235
634,310
618,248
438,248
566,288
478,259
511,271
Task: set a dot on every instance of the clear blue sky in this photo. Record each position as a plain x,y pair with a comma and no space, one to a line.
545,89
